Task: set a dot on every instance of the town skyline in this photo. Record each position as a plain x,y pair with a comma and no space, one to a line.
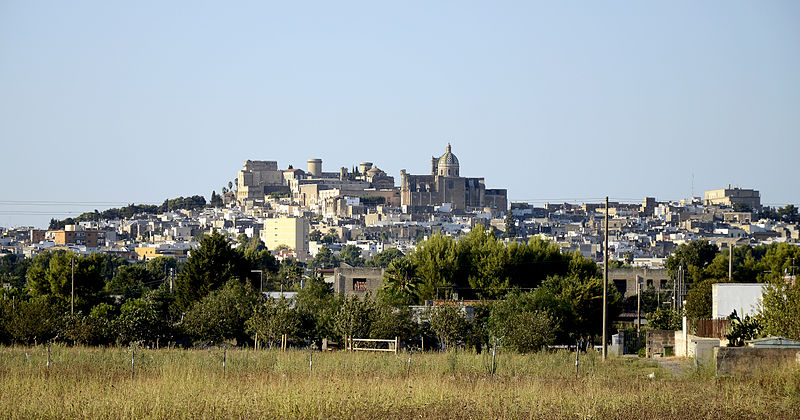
541,98
38,213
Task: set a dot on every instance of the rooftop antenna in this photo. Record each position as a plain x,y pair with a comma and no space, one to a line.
692,197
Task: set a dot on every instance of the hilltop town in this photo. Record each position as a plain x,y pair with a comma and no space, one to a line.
296,212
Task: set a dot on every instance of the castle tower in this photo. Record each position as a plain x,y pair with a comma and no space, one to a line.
315,167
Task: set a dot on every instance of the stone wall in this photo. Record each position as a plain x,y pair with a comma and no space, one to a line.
659,341
745,361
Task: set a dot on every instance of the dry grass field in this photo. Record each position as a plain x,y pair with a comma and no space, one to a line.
87,382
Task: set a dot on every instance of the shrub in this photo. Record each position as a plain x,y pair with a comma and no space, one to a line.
449,324
222,314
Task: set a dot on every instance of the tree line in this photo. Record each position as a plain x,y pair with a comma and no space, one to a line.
704,264
527,295
194,202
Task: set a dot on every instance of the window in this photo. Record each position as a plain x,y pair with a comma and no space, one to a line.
622,285
649,283
360,285
663,284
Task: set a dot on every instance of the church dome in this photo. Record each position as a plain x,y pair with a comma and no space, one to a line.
448,164
448,158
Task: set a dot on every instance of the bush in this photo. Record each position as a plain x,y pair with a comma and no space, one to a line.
519,327
780,310
137,321
449,324
271,320
35,320
222,314
664,319
389,322
354,317
741,330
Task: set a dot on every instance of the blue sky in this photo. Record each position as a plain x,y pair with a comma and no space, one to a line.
103,103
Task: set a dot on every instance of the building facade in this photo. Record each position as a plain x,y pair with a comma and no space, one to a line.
357,281
291,232
258,178
446,185
730,196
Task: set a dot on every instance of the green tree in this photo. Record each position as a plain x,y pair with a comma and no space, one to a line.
485,262
437,264
257,257
746,268
272,319
354,317
130,281
140,320
664,319
742,207
222,314
389,322
510,225
13,269
789,214
478,333
216,200
330,237
289,274
162,267
315,236
317,308
385,257
694,257
449,324
51,272
401,284
101,320
698,299
35,320
208,267
98,328
741,329
780,310
576,304
521,329
324,259
351,255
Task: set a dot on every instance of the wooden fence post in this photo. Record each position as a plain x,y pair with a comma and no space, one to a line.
133,359
494,353
408,371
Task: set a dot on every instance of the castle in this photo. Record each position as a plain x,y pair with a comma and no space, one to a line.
313,187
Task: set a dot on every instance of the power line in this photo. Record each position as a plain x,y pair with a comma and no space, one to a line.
55,202
37,213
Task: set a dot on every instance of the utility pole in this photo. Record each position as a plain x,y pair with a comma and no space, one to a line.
680,288
171,280
675,291
638,307
72,293
730,263
605,282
